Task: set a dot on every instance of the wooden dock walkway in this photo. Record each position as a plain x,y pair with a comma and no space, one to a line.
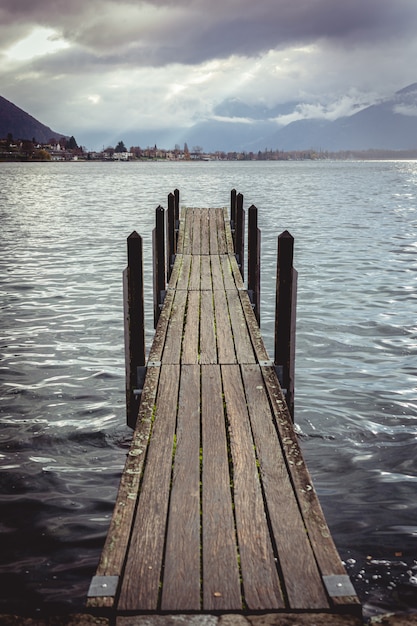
216,511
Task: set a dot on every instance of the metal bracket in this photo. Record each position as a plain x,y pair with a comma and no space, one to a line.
279,370
162,295
251,298
102,586
266,363
140,380
338,585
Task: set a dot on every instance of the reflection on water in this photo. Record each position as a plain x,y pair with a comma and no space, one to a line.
63,437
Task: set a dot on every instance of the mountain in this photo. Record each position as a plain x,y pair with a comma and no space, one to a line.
21,125
390,124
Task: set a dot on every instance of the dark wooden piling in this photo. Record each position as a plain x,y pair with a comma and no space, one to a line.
254,261
285,317
233,194
170,234
240,234
177,214
158,247
133,300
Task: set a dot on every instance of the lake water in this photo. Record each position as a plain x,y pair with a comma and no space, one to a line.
63,439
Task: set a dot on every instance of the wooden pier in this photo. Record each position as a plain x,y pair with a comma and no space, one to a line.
216,511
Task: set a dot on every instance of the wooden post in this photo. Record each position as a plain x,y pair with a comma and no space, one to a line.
171,239
233,215
285,317
177,215
240,234
158,250
134,324
254,261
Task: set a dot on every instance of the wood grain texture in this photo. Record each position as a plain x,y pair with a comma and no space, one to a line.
157,348
224,232
261,584
255,334
181,233
191,341
208,347
225,344
205,268
237,276
213,233
325,551
143,571
228,279
216,272
184,262
241,337
173,340
205,231
187,218
196,236
221,585
181,579
195,273
302,579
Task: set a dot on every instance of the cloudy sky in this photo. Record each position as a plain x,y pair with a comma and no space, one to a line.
99,69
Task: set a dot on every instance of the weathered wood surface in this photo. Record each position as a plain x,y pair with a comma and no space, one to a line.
216,510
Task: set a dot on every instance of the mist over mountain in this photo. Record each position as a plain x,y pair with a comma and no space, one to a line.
390,124
21,125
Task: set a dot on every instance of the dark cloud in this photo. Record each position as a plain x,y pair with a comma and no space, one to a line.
172,61
191,31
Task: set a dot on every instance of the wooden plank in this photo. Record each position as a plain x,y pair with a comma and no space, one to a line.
236,273
114,550
225,344
196,241
208,349
205,231
195,273
221,587
157,348
228,279
325,551
205,268
181,580
190,344
176,271
230,248
243,345
216,272
222,221
140,587
188,231
213,230
173,340
303,583
253,328
261,584
184,262
181,234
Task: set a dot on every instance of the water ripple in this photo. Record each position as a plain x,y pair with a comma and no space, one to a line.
63,439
